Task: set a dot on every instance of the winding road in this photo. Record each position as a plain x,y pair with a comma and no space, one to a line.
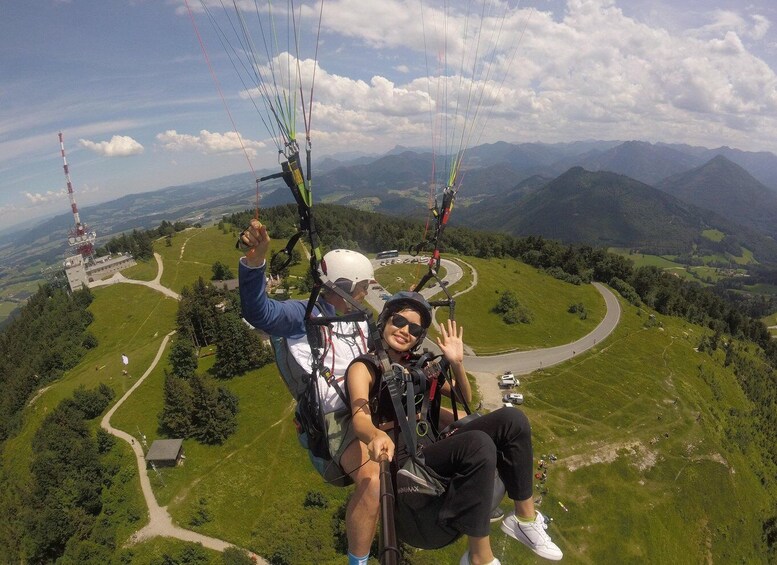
155,284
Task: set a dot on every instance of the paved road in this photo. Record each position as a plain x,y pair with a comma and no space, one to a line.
524,362
485,369
521,362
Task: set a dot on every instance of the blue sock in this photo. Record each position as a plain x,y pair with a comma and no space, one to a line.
353,560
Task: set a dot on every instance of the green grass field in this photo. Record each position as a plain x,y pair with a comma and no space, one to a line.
193,253
552,324
6,308
14,294
713,235
142,271
637,429
642,260
701,273
762,289
644,468
770,320
403,276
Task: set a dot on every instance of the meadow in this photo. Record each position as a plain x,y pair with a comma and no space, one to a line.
552,323
645,471
702,274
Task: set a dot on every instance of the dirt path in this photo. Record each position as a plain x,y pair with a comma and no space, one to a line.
155,284
160,522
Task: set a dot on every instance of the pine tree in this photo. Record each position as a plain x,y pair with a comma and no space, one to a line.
214,412
233,356
183,358
176,416
239,348
221,272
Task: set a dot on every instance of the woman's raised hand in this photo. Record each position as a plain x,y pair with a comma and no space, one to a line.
451,342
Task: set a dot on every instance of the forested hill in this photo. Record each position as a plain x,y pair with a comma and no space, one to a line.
728,190
605,209
48,337
602,208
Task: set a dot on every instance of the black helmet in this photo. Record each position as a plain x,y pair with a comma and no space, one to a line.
403,300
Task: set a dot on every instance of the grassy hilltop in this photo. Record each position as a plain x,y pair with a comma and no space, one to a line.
649,467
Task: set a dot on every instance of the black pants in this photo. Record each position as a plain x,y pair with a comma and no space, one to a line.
499,441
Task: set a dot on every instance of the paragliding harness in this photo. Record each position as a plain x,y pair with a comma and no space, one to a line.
304,386
419,491
310,418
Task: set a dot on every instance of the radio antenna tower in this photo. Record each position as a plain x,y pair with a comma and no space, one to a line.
80,237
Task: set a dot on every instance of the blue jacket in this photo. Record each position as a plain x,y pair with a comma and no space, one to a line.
274,317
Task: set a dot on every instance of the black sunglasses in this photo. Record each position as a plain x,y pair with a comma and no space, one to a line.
399,321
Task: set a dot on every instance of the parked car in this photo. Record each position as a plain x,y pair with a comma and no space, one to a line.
513,398
508,380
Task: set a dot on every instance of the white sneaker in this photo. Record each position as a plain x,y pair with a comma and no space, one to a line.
532,534
465,560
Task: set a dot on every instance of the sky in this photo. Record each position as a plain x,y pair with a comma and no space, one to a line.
143,106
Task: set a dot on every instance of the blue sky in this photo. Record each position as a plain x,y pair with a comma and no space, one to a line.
127,84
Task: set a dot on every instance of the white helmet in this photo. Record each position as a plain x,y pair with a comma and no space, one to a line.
345,268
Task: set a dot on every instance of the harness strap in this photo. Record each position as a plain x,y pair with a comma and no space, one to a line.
397,374
313,325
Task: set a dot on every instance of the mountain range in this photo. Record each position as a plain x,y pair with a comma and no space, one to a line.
633,194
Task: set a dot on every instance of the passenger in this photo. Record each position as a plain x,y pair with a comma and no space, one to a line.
496,442
352,272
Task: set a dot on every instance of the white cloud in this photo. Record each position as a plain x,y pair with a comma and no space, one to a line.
590,71
208,142
761,26
118,146
754,26
37,198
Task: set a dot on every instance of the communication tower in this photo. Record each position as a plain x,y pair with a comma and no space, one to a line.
81,238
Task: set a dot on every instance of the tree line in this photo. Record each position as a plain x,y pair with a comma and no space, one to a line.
55,516
140,243
715,308
48,337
